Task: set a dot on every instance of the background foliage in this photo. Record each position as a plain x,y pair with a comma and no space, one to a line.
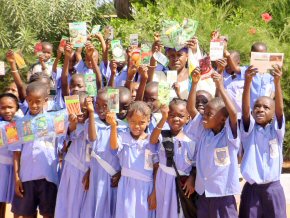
23,23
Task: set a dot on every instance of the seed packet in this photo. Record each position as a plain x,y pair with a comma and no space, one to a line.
78,34
134,40
12,134
63,42
2,68
135,57
164,93
96,29
113,100
91,86
38,49
117,51
145,54
1,139
216,49
19,60
205,68
73,104
27,131
59,123
265,61
41,125
171,77
109,33
161,58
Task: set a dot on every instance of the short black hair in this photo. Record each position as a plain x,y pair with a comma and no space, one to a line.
36,87
38,76
13,97
257,45
139,106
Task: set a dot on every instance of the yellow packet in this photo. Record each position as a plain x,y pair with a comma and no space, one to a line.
19,60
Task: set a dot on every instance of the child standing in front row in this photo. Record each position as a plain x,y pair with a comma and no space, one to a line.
35,165
104,165
137,157
184,150
262,134
70,194
216,134
8,108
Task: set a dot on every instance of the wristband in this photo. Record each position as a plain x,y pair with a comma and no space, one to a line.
14,71
158,128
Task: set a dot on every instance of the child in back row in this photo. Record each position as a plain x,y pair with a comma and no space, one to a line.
262,134
35,165
8,109
104,166
216,135
77,160
137,156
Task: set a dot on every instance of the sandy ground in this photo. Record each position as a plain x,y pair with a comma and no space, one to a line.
285,178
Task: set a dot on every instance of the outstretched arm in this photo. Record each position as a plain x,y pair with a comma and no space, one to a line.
157,130
246,107
192,94
64,74
143,70
278,95
111,120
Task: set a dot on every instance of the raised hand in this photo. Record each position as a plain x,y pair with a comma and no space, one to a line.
111,119
89,105
196,75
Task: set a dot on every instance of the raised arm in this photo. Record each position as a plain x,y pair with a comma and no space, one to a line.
113,67
156,47
64,75
111,120
17,79
106,53
132,70
246,106
192,94
78,54
278,95
218,79
92,128
157,130
60,51
143,71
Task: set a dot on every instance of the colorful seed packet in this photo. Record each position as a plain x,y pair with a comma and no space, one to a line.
12,134
73,104
1,139
38,49
19,60
2,68
117,51
145,54
113,100
109,33
63,42
78,34
205,68
134,40
41,124
264,62
96,29
164,93
91,86
27,131
135,57
216,49
59,124
161,58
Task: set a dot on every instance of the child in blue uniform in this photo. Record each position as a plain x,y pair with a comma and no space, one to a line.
216,134
137,157
184,150
8,108
262,134
35,165
70,194
104,165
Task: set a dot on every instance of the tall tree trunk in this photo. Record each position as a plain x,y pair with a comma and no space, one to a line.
123,8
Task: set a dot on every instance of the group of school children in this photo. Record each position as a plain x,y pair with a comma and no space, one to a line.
118,166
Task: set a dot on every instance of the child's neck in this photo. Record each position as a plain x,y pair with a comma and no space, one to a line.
176,132
142,136
182,75
217,129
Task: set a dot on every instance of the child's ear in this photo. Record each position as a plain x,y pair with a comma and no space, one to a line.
46,99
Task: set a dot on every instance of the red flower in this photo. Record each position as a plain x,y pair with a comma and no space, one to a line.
266,17
252,31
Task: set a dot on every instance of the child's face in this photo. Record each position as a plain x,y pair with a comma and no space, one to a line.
213,118
77,85
151,98
177,59
8,108
201,101
263,111
177,117
135,87
36,101
47,52
138,122
12,88
125,101
102,106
